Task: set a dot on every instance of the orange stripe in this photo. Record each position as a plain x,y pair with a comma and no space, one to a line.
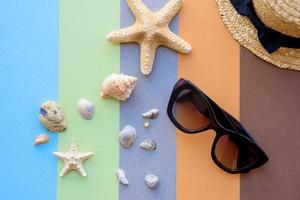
213,65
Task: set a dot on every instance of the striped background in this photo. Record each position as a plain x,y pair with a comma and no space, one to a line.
57,50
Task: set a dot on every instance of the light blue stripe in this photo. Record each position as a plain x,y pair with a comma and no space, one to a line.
29,76
150,92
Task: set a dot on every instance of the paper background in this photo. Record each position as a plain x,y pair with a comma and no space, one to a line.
57,50
151,92
86,57
28,68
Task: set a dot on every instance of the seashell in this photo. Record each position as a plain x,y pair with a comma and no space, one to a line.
122,177
127,136
85,109
118,86
148,144
152,181
52,117
146,123
41,139
151,114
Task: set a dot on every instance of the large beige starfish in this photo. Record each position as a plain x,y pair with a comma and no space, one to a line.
150,30
73,159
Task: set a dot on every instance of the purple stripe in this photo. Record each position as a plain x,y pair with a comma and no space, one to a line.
151,92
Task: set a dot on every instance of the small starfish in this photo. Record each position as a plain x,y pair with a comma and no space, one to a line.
150,30
73,159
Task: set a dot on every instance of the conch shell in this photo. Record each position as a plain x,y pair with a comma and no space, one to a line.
41,139
118,86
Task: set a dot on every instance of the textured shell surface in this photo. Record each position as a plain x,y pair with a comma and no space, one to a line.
151,180
151,30
127,136
118,86
52,117
41,139
148,144
73,159
85,108
151,114
122,177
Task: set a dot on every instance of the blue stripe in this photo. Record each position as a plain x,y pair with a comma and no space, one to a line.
150,92
29,76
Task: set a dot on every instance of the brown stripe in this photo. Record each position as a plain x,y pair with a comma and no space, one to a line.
270,110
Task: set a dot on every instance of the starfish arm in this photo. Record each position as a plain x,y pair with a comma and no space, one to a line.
167,13
74,145
138,8
129,34
61,156
172,41
148,49
81,170
65,170
87,155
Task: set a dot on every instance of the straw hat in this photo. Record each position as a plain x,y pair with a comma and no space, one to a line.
280,15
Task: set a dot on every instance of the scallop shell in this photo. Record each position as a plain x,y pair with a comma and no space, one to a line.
85,109
152,181
41,139
127,136
118,86
52,117
151,114
122,177
148,144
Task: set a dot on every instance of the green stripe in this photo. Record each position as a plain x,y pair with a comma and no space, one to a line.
86,57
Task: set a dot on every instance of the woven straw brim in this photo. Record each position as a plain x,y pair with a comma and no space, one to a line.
246,34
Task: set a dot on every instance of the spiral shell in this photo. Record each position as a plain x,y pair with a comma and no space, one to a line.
118,86
52,117
151,114
41,139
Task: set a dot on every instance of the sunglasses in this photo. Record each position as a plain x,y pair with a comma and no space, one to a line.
233,149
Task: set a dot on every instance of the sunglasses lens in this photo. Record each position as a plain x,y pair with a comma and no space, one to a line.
235,152
190,110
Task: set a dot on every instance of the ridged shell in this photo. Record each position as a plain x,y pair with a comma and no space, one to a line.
122,177
85,108
127,136
152,181
52,117
41,139
151,114
118,86
148,144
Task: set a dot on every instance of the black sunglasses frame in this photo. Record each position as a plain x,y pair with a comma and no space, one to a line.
236,128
